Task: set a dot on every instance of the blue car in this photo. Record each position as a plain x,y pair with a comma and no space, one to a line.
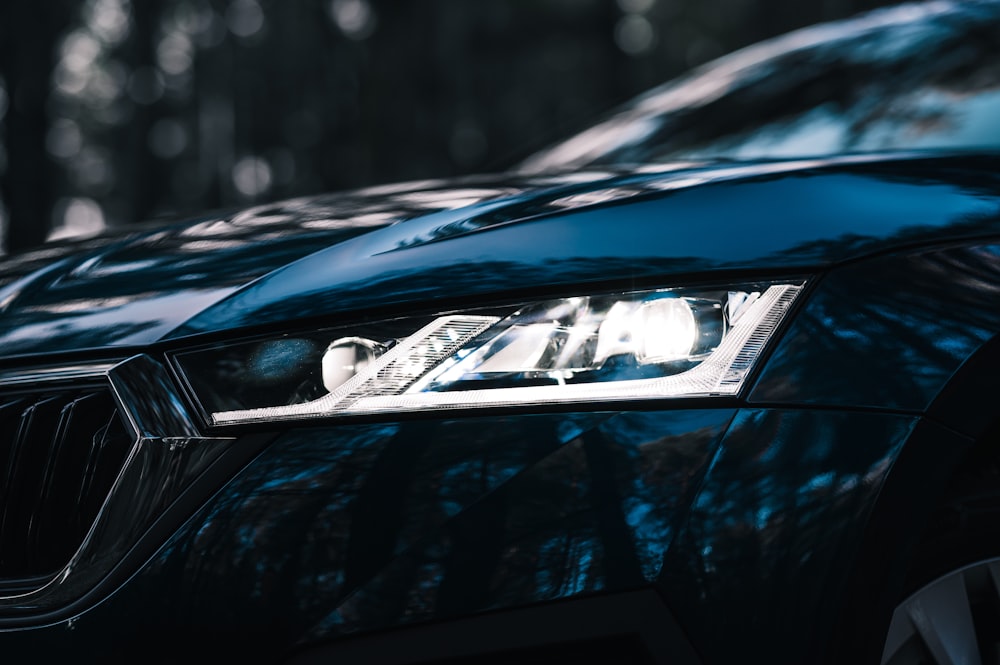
713,381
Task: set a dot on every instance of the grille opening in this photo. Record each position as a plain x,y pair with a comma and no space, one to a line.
60,452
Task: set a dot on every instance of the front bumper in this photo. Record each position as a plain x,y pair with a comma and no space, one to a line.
745,522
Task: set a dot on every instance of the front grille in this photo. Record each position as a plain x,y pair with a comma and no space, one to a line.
60,452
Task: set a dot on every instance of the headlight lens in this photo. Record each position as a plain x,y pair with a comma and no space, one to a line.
653,344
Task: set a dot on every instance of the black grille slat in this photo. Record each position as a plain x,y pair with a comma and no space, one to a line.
108,449
10,413
90,468
30,451
43,495
57,473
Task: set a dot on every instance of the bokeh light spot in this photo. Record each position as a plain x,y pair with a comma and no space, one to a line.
174,53
67,82
355,18
245,18
93,171
76,218
634,34
63,139
105,83
78,51
252,176
109,20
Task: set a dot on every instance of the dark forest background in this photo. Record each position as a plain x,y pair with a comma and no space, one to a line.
117,111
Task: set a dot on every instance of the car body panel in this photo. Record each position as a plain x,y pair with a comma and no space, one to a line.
827,215
346,529
910,319
766,561
262,268
743,521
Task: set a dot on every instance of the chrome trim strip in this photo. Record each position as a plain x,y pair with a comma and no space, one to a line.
20,377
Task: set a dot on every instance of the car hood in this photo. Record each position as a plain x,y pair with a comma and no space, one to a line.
447,243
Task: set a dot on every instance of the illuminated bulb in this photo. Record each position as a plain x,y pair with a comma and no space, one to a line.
347,356
665,330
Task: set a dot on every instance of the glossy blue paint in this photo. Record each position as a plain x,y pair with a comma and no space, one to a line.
348,529
888,333
335,256
746,522
824,216
776,529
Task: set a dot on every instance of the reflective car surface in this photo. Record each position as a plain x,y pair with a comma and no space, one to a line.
709,382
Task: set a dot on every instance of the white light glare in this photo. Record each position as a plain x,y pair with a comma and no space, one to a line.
664,330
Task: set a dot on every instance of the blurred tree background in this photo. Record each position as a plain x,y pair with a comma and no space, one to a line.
117,111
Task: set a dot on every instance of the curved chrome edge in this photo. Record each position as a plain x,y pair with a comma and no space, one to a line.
20,377
168,454
149,401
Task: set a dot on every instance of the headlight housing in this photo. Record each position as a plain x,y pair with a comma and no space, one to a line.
653,344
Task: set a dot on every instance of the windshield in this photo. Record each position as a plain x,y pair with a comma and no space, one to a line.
914,77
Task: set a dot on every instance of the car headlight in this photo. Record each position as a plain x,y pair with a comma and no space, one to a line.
653,344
